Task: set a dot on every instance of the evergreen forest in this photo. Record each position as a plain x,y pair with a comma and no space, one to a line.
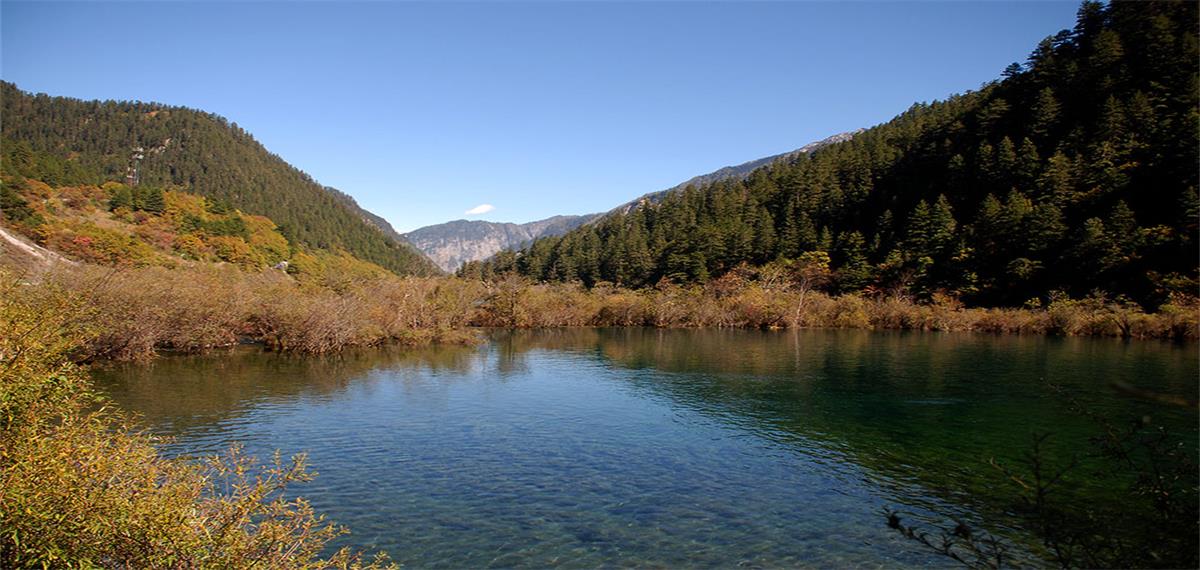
1073,173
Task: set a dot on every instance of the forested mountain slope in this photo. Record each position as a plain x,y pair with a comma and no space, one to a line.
90,142
737,171
1074,172
455,243
366,215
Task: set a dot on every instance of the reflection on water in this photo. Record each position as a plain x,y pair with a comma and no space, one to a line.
586,447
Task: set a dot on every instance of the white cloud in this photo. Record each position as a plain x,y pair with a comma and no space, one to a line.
480,209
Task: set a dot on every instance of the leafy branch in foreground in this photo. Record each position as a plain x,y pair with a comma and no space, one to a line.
961,544
79,488
1153,524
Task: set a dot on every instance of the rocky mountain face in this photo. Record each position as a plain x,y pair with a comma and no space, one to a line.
454,243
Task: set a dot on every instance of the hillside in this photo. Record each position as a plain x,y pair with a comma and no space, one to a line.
117,226
454,243
366,215
737,171
92,142
1075,172
744,169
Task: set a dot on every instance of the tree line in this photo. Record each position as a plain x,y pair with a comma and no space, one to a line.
1073,172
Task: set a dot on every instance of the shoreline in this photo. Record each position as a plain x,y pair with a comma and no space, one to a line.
478,335
133,314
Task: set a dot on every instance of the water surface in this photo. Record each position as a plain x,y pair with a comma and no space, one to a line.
642,447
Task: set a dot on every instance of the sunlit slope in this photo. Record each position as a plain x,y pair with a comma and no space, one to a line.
91,142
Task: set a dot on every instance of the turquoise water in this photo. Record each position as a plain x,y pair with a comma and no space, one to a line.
642,447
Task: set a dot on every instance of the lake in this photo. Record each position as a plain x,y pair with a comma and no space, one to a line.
658,448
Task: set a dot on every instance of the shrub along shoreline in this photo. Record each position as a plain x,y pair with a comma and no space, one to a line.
731,302
134,313
81,487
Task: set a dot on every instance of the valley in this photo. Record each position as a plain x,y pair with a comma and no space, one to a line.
964,334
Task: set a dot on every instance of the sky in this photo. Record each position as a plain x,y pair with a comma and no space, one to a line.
507,111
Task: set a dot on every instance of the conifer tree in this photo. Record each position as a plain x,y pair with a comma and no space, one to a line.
1095,130
122,197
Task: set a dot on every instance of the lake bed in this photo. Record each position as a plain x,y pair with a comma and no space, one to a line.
659,448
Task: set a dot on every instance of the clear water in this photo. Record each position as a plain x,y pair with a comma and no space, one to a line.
652,448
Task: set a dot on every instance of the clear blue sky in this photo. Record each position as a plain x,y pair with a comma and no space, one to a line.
422,111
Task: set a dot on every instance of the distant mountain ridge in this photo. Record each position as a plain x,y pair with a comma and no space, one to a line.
366,215
744,169
738,171
454,243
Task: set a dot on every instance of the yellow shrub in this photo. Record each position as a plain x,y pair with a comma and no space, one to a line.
191,246
176,204
78,489
268,243
92,244
234,250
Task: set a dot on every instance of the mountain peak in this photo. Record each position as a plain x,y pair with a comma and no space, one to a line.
453,243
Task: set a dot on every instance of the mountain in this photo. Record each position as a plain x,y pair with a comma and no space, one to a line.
738,172
452,244
91,142
366,215
117,226
1072,174
741,171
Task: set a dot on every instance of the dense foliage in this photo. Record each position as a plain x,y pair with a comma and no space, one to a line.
119,226
62,141
137,311
1075,172
78,489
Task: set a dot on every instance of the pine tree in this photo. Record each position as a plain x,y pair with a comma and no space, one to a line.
153,201
764,237
1006,161
824,241
854,271
917,235
885,234
1057,182
1046,112
1111,126
942,227
1028,165
1044,228
122,197
989,173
